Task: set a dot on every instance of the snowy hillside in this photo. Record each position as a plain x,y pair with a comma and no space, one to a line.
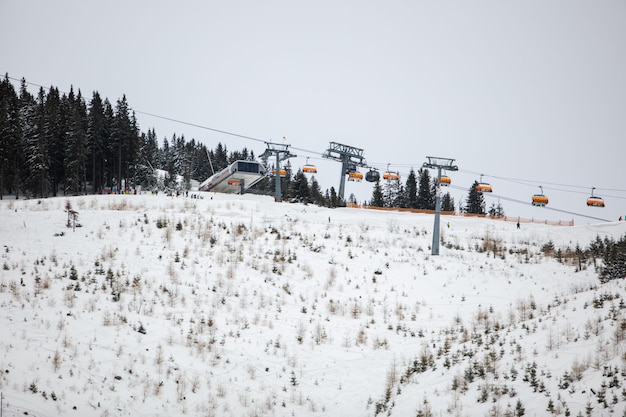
238,306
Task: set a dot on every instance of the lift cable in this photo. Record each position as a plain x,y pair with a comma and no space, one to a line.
500,197
531,183
201,127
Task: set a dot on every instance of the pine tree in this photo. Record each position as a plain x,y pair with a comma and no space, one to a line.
613,259
334,200
300,187
57,115
37,161
316,192
125,144
475,201
496,210
201,167
11,151
98,132
425,195
411,190
107,148
220,157
377,196
401,197
391,191
447,202
75,155
286,183
148,160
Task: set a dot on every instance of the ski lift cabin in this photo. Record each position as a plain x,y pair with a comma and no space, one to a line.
445,180
539,200
355,176
283,173
391,176
372,175
594,200
309,168
483,187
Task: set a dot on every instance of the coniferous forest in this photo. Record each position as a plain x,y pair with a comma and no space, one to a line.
58,143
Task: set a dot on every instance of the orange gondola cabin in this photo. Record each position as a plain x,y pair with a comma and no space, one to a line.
445,181
484,187
391,176
595,201
309,168
355,176
539,200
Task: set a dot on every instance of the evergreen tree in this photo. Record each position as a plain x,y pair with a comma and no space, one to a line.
286,182
201,167
75,154
614,260
447,202
411,190
57,125
300,187
242,155
316,192
125,144
475,201
220,157
378,199
391,192
108,150
11,151
164,155
333,199
97,136
148,160
496,210
425,195
401,198
37,161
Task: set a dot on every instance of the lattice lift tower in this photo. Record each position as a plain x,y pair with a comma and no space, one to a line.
282,152
439,164
349,156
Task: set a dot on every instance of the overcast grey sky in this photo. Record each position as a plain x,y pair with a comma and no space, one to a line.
527,93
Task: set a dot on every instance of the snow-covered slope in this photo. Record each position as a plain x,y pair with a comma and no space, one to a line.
238,306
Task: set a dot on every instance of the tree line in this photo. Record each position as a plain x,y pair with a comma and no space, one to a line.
59,143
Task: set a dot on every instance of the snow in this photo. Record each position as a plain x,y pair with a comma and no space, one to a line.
233,305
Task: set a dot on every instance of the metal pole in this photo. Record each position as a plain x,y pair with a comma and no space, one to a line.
342,181
437,213
277,197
